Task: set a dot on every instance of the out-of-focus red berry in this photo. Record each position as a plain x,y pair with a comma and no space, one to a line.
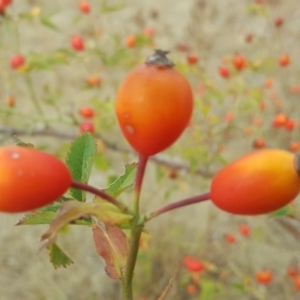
284,60
248,38
229,117
290,124
297,282
183,47
130,41
294,146
259,143
264,277
230,238
244,230
87,126
87,112
278,21
192,59
84,7
292,271
148,31
93,81
193,264
191,289
239,62
11,101
295,89
269,83
224,71
77,43
279,120
17,61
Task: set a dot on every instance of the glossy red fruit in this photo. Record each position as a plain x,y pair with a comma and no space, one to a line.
154,105
257,183
77,43
17,61
30,179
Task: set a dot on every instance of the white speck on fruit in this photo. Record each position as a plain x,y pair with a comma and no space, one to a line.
15,155
130,129
20,172
126,116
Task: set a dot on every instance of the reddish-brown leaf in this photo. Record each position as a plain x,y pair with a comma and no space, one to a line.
111,245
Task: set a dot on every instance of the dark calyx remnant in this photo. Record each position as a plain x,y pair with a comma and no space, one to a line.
159,59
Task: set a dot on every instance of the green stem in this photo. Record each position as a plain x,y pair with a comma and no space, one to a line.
127,292
136,231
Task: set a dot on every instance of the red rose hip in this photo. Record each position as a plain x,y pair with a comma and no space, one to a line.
30,179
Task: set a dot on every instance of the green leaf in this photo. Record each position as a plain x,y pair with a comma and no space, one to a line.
46,214
80,160
123,182
58,257
71,211
209,290
49,24
286,211
37,218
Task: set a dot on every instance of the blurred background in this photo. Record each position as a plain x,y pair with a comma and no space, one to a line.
241,58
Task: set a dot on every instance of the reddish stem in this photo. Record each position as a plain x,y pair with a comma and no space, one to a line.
139,180
178,204
85,187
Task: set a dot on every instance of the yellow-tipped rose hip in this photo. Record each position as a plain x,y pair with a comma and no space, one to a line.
257,183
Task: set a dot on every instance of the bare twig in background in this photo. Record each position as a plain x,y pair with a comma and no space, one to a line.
160,159
167,288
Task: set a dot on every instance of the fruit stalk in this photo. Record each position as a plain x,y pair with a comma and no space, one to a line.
178,204
85,187
136,230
